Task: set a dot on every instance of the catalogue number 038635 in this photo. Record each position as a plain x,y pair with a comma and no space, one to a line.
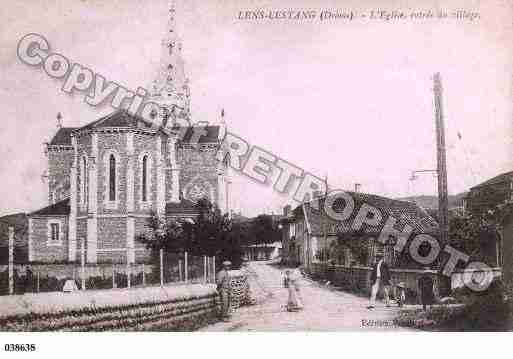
20,347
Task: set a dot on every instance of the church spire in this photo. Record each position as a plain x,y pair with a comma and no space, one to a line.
170,89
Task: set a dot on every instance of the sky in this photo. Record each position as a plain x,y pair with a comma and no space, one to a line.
350,100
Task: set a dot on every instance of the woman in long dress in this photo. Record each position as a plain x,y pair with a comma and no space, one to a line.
295,302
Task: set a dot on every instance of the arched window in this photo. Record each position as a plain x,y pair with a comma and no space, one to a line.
144,178
83,181
112,178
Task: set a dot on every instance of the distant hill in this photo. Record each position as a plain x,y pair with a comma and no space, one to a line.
431,202
20,223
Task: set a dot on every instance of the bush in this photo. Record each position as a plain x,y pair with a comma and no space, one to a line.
482,311
488,310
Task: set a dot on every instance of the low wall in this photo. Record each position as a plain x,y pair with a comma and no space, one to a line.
358,278
154,308
457,280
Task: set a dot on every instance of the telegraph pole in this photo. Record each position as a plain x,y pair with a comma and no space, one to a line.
324,219
441,161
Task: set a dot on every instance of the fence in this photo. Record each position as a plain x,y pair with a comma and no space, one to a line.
164,268
35,278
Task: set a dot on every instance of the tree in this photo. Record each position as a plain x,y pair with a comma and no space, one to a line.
210,233
476,234
208,230
164,233
265,230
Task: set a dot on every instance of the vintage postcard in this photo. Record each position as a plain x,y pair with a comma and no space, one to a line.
255,166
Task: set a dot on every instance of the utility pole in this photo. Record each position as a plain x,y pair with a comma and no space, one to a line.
441,161
11,260
324,215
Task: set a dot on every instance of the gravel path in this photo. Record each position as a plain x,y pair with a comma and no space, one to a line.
325,309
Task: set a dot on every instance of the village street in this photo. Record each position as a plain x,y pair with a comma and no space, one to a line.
325,309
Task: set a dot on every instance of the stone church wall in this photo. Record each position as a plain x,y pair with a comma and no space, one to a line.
59,168
198,167
145,144
84,149
112,233
112,143
43,250
81,235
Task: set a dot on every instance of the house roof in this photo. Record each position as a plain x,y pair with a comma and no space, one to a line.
62,137
404,213
504,177
57,209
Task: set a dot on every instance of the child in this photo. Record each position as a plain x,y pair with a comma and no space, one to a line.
401,295
286,279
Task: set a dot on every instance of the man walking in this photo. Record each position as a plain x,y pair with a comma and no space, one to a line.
223,287
427,296
380,277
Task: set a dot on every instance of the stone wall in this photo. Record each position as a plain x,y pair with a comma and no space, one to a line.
84,148
145,145
170,308
198,167
111,143
43,249
59,168
358,278
459,277
112,233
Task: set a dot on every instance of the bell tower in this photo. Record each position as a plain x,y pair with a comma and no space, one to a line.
170,89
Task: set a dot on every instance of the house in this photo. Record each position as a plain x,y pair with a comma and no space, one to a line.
106,177
311,236
485,196
262,251
506,259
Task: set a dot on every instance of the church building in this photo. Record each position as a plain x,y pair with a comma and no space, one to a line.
106,178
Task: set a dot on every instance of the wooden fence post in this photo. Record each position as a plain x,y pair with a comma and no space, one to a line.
214,268
161,267
128,271
113,276
128,276
208,269
186,269
179,270
204,269
11,260
143,276
82,263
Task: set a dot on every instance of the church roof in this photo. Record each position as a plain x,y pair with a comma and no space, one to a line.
119,118
212,133
57,209
124,119
62,137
